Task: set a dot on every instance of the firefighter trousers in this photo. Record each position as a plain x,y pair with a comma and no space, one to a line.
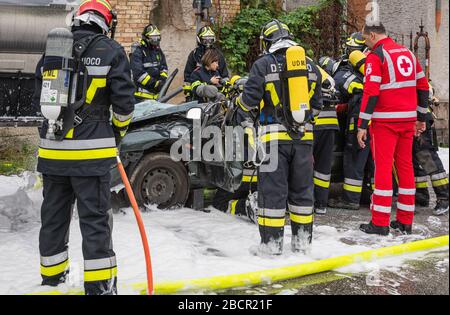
355,160
323,158
392,143
95,215
291,184
235,203
428,164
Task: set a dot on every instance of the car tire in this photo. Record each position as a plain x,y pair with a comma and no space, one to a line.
159,180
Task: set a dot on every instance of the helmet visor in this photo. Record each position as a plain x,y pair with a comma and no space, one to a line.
91,18
208,41
154,39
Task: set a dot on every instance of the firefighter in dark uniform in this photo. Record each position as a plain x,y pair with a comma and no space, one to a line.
243,202
325,127
286,177
206,39
148,65
77,168
350,85
427,164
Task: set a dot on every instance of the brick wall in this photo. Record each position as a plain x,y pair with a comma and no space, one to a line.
227,9
134,15
175,19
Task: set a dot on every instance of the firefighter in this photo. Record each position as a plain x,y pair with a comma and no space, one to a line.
148,65
289,84
350,87
427,164
206,39
395,99
207,82
78,166
243,202
325,127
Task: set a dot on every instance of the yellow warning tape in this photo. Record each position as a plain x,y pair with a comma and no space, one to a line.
283,273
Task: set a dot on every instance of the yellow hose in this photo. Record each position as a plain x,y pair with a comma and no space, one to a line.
283,273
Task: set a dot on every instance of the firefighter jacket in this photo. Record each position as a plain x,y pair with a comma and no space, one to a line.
350,86
395,87
327,119
150,71
195,61
202,76
89,149
264,84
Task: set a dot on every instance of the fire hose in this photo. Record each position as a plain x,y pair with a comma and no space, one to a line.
137,214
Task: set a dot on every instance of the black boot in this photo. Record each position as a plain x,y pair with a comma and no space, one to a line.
441,207
302,239
404,228
56,280
104,287
342,204
370,228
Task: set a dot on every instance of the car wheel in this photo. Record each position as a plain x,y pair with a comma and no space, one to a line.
159,180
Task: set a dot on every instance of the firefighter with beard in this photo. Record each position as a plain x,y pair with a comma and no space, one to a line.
149,66
289,84
76,165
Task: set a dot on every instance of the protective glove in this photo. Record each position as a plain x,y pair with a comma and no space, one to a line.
208,91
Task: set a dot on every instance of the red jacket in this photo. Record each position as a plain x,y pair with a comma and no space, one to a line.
395,89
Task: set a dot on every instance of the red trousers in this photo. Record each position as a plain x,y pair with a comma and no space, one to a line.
392,146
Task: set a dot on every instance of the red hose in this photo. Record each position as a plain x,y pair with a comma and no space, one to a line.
137,213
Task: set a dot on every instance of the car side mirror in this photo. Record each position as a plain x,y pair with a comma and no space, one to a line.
194,113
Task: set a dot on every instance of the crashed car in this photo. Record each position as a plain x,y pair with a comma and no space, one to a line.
145,152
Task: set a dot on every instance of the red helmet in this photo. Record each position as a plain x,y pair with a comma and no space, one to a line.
103,7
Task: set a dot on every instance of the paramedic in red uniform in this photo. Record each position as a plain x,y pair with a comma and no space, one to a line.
395,102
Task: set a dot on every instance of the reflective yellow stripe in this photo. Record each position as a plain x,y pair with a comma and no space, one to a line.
352,188
327,121
146,95
77,155
321,183
274,28
70,134
95,85
119,123
163,74
106,4
250,179
146,79
270,87
313,90
422,185
302,219
355,85
245,109
54,270
440,182
284,136
351,127
271,222
233,207
100,275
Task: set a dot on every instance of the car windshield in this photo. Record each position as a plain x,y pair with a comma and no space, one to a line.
149,107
